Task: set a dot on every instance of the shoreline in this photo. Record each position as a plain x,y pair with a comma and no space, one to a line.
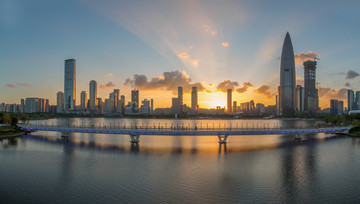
11,136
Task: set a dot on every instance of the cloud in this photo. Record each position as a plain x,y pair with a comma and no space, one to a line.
168,81
109,74
11,85
24,84
210,30
303,56
183,55
351,74
226,84
108,85
186,58
347,84
327,92
225,44
245,87
18,84
264,90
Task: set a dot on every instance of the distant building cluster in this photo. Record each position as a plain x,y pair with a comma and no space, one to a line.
291,99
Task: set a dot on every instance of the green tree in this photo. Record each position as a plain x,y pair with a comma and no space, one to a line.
24,118
6,118
14,121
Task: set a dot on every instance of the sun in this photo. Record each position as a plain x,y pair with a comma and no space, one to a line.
212,100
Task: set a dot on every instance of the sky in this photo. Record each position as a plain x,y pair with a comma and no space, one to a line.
157,45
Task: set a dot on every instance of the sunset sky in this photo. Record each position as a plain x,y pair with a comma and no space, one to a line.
157,45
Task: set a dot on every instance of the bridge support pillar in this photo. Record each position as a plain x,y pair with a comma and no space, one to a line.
223,138
65,135
297,136
134,138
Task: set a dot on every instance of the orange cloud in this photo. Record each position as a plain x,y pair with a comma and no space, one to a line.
264,90
225,44
108,85
303,56
183,55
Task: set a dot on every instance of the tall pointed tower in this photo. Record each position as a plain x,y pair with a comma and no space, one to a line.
287,79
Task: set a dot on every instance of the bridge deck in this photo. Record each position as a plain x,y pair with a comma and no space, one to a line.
184,131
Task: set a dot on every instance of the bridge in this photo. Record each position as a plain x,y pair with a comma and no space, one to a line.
175,130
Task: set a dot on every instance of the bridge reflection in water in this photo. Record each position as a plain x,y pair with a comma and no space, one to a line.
222,132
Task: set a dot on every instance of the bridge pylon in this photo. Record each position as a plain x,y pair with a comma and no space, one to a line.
223,139
134,138
297,136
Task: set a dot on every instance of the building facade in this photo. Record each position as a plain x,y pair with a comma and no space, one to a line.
93,102
70,85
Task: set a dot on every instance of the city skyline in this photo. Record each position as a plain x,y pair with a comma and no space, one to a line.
209,51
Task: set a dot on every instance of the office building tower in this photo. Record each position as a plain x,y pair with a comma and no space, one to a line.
93,102
84,100
234,106
152,106
32,105
60,102
351,100
135,98
287,95
47,106
176,106
70,84
336,107
194,100
357,100
145,107
22,106
181,97
229,100
122,104
311,99
100,105
299,98
116,99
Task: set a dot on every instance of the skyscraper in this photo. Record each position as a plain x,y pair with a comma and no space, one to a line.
299,98
351,100
60,102
117,98
93,95
135,98
311,99
84,100
287,79
229,100
194,99
357,100
151,106
181,98
70,84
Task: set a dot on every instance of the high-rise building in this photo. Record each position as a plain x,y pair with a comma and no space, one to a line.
121,105
278,101
181,98
229,100
152,106
32,105
351,100
60,102
287,94
84,100
357,100
299,98
93,95
22,106
70,84
234,106
135,98
47,106
194,100
176,106
336,107
116,100
145,107
311,99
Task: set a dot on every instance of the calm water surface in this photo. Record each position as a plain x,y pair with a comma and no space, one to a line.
40,168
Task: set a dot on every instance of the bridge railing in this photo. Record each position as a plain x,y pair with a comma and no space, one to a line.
174,127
